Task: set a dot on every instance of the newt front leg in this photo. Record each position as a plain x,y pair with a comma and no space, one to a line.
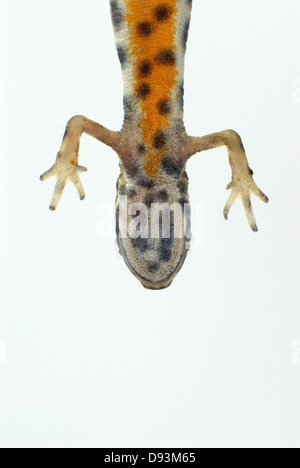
66,168
242,183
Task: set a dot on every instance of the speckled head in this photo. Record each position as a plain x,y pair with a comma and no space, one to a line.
153,229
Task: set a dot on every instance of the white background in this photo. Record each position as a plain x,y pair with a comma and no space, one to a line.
88,358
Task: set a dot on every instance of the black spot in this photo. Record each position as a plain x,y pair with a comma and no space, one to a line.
137,213
182,186
122,54
141,148
185,33
183,201
116,15
165,245
144,28
165,249
143,90
132,193
131,170
140,244
164,107
145,183
181,94
149,199
162,195
166,57
171,166
159,139
162,12
153,267
165,254
145,68
250,171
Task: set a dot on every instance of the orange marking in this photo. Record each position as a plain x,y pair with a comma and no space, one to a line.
72,162
163,78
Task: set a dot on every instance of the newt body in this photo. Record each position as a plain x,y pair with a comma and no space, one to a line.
153,146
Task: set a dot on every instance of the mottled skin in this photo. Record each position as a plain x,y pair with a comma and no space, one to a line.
153,146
